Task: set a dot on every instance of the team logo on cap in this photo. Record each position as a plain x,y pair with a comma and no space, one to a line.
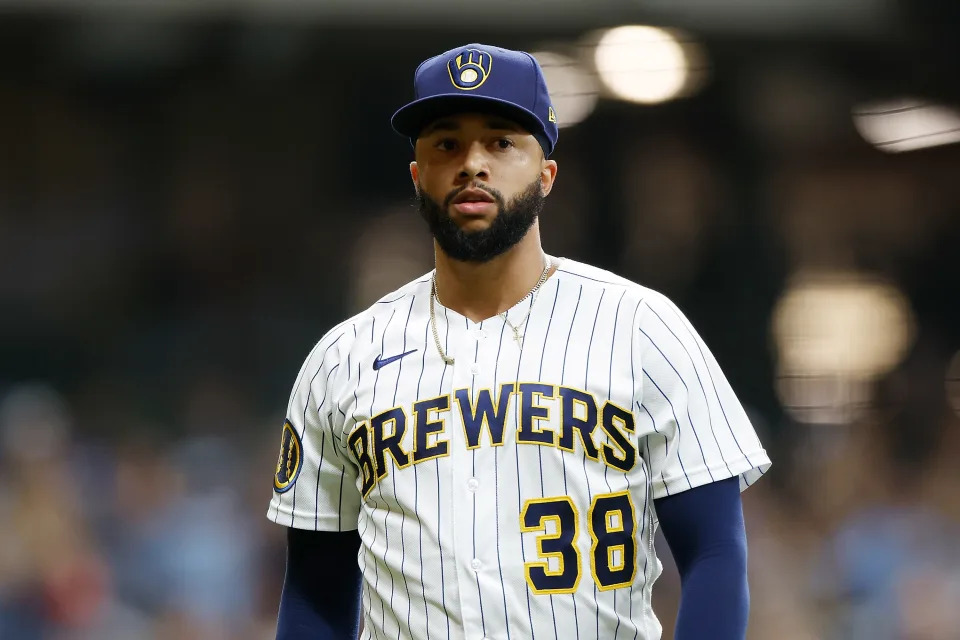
290,461
470,69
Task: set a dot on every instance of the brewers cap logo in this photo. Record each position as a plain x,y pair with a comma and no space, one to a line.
290,461
470,69
552,115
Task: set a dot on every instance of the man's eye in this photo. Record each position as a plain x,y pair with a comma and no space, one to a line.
504,143
446,144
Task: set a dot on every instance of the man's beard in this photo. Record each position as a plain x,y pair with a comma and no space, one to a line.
507,229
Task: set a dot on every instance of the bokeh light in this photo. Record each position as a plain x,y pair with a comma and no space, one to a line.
907,124
834,333
641,64
828,324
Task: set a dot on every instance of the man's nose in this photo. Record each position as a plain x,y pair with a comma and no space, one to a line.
475,163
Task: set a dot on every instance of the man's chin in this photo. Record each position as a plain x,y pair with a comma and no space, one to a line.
473,225
461,218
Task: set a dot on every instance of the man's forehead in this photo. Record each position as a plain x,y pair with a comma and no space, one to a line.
459,121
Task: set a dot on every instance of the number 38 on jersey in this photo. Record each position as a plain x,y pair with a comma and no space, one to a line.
557,523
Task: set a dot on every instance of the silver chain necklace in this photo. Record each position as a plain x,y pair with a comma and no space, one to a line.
547,264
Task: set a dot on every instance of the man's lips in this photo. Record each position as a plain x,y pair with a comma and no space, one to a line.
472,195
473,207
473,202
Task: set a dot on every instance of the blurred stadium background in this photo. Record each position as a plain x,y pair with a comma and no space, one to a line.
193,191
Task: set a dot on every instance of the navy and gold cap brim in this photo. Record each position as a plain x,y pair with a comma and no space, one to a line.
411,119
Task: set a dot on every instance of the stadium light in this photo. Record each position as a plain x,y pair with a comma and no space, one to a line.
835,333
641,64
906,124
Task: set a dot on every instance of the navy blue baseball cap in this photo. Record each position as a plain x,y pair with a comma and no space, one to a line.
481,78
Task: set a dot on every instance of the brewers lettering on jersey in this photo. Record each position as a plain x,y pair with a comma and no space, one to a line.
499,446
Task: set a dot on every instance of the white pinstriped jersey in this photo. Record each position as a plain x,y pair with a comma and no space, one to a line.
509,495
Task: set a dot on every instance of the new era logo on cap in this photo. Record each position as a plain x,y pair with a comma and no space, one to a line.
481,78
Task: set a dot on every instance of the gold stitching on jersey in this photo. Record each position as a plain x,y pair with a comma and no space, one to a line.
477,403
424,427
611,549
567,427
392,444
526,433
410,441
611,414
359,443
541,527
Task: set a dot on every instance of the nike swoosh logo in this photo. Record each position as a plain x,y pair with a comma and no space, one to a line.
379,362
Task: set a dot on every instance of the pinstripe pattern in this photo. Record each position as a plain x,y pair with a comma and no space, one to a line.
440,520
520,494
563,461
543,357
473,470
703,358
381,629
646,495
403,517
586,474
496,500
416,495
443,554
606,471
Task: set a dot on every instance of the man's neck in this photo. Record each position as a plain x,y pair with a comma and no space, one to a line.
482,290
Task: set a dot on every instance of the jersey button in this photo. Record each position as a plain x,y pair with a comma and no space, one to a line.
473,484
476,564
475,368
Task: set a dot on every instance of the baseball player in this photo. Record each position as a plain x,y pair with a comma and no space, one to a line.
487,452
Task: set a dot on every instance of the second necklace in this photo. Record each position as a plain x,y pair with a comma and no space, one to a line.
517,336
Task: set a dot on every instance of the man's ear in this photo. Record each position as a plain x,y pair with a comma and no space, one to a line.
415,175
548,174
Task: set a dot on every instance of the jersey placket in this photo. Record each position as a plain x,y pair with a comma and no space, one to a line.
471,489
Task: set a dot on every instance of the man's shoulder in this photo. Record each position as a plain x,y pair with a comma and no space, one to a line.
650,301
413,288
344,335
595,277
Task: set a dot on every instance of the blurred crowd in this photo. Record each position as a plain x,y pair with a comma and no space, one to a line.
144,535
131,537
171,247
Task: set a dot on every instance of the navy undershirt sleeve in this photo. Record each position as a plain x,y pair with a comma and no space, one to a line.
321,589
705,531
